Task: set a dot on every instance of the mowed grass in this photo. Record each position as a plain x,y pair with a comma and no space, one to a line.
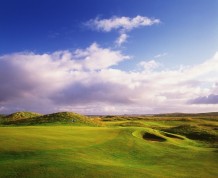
113,151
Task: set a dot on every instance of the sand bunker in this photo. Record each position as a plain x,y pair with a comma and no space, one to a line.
152,137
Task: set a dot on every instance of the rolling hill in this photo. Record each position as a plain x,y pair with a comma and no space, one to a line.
28,118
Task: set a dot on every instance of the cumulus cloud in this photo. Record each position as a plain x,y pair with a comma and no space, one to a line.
121,24
28,78
85,81
95,57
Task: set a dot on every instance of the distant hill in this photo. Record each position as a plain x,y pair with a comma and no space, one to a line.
187,114
54,118
21,115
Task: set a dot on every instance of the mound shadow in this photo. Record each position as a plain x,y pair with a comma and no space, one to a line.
152,137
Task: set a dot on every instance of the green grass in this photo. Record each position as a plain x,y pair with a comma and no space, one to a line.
135,147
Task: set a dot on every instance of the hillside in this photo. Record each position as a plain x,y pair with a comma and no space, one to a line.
187,114
54,118
21,115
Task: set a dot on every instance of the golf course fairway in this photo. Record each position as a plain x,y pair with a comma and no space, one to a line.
83,151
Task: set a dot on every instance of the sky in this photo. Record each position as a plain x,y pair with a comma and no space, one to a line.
109,56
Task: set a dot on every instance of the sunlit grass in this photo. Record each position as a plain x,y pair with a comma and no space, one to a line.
134,147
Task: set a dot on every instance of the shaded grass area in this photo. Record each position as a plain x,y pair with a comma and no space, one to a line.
195,132
70,151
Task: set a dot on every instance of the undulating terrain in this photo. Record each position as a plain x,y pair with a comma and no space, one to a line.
72,145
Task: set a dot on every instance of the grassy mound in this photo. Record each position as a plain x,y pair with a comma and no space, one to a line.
57,118
194,132
21,115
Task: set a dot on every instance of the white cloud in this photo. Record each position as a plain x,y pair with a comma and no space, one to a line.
149,65
84,81
121,39
95,57
121,23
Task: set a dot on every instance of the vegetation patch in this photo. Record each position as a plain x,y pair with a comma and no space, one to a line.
56,118
210,126
194,132
21,115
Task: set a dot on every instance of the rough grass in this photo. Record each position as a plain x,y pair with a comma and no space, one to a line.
21,115
194,132
56,118
2,118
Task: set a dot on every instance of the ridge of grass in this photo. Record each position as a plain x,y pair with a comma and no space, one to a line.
21,115
56,118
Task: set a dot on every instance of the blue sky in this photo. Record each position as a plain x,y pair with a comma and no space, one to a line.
183,38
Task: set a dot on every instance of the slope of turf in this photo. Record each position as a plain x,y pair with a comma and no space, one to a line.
71,151
195,132
21,115
56,118
64,145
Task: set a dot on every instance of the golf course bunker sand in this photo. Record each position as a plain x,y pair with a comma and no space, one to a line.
173,136
152,137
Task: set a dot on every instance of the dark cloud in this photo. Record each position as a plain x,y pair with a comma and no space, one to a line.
94,92
38,83
14,81
211,99
24,86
